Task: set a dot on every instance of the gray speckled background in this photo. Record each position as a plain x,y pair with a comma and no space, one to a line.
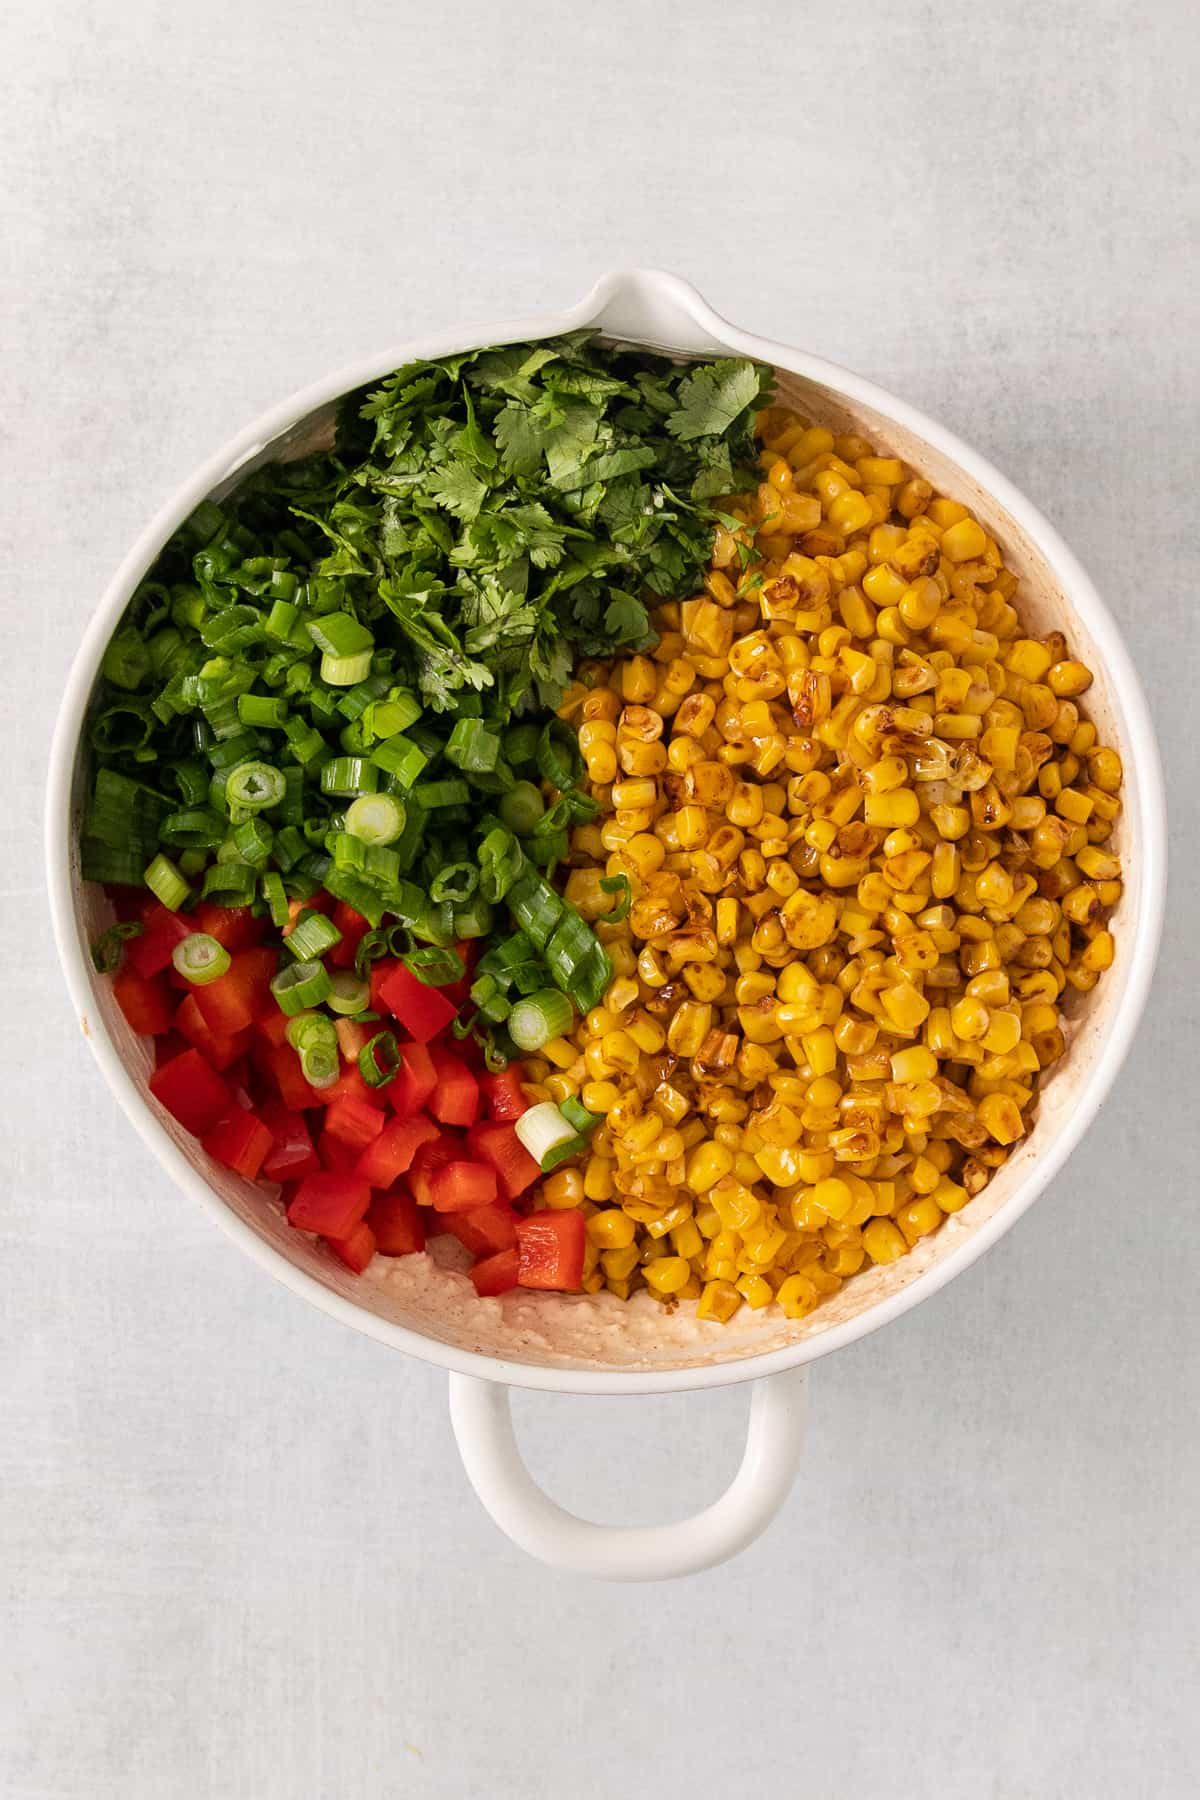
238,1557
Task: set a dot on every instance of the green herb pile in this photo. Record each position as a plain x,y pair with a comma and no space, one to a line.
344,676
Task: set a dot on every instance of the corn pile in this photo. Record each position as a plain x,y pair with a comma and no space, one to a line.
864,823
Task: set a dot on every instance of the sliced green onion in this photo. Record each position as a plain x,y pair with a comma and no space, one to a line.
349,994
543,1130
225,755
543,1016
281,620
371,946
337,634
521,745
194,829
275,895
576,1113
521,807
200,959
384,718
562,1153
474,919
302,985
355,892
312,935
235,882
127,660
376,818
305,744
261,709
536,908
559,759
400,757
289,846
435,964
349,775
108,948
431,794
616,884
165,882
473,747
253,840
501,861
454,881
306,1029
379,1059
320,1065
346,671
487,996
255,785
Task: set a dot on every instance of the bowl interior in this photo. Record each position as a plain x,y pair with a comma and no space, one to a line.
429,1295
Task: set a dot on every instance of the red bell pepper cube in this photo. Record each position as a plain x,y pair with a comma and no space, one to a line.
356,1250
396,1222
354,1122
496,1274
273,1029
146,1001
218,1048
243,994
296,1093
195,1094
391,1153
353,928
240,1140
422,1010
455,1099
234,926
485,1229
168,1047
499,1144
502,1095
336,1154
150,953
351,1086
551,1246
410,1089
291,1155
462,1186
377,974
429,1159
331,1204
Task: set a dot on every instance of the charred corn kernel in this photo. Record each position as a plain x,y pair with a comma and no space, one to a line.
1066,679
619,1262
561,1052
797,1296
950,1196
1105,771
916,1219
1097,864
1099,953
718,1300
968,1019
755,1291
599,1096
706,1166
963,541
917,1063
667,1274
689,1027
1001,1118
598,1178
563,1189
883,1242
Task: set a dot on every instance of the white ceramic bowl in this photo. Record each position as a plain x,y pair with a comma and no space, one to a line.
594,1344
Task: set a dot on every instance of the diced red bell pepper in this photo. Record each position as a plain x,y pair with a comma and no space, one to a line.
351,1086
273,1028
195,1094
240,1140
551,1246
146,1001
377,974
356,1250
234,926
218,1048
485,1229
391,1153
331,1204
462,1186
499,1144
168,1047
336,1154
291,1155
396,1222
243,994
353,928
411,1088
459,991
150,953
501,1093
455,1099
496,1274
354,1122
422,1010
296,1093
425,1164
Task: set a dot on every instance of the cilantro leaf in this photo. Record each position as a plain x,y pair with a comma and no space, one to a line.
713,398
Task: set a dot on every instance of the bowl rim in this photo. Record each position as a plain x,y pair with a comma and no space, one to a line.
659,294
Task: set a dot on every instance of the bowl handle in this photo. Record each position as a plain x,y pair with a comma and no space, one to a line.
482,1421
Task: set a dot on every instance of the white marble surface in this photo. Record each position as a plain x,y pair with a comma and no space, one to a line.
238,1555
